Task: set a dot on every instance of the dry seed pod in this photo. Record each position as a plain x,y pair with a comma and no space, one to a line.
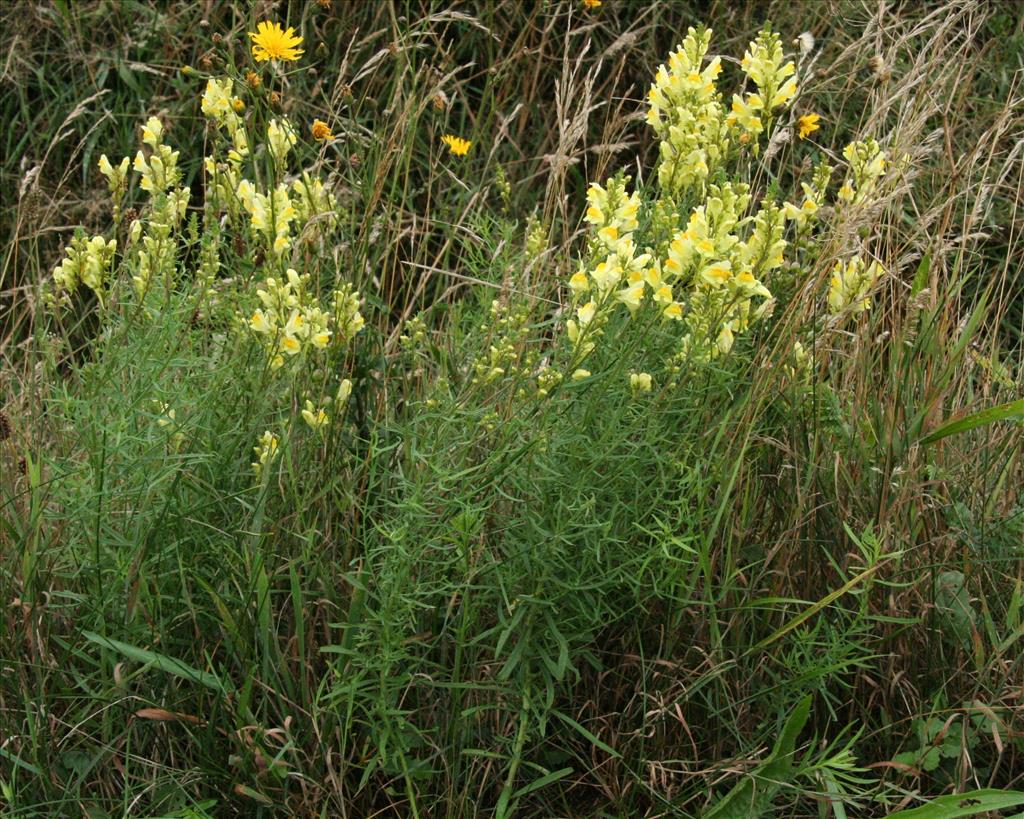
879,68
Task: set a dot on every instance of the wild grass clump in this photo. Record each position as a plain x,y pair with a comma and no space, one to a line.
382,441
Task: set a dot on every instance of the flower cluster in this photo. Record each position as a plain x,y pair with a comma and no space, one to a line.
291,319
850,285
266,452
159,174
617,272
87,261
117,181
315,206
867,166
502,357
281,138
724,269
271,213
685,111
223,108
775,81
283,211
707,251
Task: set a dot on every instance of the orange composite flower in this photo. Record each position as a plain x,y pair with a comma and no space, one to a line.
322,131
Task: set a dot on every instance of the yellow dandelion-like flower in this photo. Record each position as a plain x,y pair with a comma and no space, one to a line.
253,79
457,145
271,42
807,125
322,131
591,4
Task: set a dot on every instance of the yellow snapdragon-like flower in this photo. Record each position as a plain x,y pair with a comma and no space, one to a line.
717,274
867,165
344,391
152,131
316,418
586,313
86,262
640,382
266,452
684,109
579,283
631,296
281,137
663,294
850,285
674,311
775,80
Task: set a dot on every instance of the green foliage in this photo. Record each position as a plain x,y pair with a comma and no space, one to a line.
469,559
965,804
753,797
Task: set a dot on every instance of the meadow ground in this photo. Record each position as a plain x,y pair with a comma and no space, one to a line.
442,411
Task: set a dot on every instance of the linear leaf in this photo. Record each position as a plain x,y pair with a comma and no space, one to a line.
963,804
160,661
1014,410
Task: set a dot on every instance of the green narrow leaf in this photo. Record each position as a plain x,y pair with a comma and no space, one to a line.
608,749
554,776
963,804
21,763
812,610
921,276
753,795
1012,411
167,664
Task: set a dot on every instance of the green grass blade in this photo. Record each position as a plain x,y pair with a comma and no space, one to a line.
1011,411
963,804
164,663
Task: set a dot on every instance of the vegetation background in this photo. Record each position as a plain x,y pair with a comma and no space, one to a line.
745,603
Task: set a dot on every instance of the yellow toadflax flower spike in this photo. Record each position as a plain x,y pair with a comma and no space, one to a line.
271,42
